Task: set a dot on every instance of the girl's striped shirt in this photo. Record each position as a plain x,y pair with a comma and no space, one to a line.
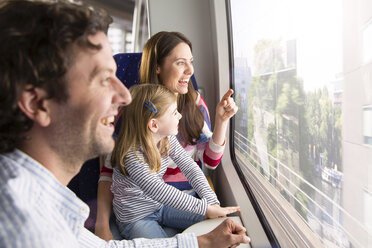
143,193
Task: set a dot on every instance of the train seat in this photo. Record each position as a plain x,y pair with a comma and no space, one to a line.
128,66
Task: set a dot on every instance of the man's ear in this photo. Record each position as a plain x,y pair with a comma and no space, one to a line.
34,104
153,125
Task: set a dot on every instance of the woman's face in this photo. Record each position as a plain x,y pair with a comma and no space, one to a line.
177,68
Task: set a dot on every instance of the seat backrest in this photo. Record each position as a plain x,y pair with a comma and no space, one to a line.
128,66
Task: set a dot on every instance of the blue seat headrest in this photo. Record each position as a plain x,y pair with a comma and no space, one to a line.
128,68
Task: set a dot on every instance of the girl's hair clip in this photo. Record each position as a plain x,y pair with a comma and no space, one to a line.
150,106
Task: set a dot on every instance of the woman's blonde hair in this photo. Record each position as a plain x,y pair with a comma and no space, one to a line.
150,101
156,49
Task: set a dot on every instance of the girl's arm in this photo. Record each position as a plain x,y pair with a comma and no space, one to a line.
154,187
192,171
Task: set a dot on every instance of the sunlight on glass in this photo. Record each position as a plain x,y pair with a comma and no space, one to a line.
367,41
301,88
116,38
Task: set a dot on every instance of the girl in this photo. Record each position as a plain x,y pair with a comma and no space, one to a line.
143,203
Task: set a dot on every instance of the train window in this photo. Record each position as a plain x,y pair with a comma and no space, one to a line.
120,36
129,30
367,209
302,73
367,41
367,125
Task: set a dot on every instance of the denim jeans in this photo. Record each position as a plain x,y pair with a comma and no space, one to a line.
152,226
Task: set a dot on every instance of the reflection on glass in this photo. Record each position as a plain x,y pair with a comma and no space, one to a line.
367,124
300,109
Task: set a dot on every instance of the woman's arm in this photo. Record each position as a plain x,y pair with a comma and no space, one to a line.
225,109
209,153
104,201
104,205
213,150
210,146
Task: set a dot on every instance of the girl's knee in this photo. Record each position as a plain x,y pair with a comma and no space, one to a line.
145,229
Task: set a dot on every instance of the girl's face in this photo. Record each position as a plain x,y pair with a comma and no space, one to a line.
168,122
177,69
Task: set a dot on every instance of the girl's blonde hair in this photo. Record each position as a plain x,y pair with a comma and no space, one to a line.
134,132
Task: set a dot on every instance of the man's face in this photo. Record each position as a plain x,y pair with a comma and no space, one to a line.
83,126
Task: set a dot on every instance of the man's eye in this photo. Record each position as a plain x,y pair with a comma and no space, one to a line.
106,81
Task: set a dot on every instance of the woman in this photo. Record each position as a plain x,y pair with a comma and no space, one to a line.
167,59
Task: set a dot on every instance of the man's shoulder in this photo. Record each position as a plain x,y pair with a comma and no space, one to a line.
24,225
18,193
9,166
17,184
29,218
15,214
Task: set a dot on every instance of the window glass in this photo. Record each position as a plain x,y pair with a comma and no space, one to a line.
367,208
302,77
367,41
367,125
117,37
120,32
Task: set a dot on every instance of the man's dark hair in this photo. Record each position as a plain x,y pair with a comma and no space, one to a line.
37,41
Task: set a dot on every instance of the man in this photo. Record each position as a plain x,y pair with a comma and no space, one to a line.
58,98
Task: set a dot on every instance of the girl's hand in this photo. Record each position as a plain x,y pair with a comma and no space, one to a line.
226,108
216,211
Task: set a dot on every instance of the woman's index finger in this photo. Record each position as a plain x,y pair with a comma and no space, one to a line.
228,94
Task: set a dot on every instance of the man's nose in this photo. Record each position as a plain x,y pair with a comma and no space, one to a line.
123,96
